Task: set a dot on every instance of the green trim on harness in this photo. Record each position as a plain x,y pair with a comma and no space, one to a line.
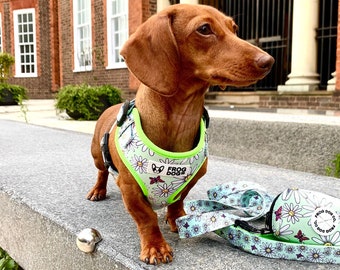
162,175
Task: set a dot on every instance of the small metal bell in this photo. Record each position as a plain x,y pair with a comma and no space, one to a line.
87,239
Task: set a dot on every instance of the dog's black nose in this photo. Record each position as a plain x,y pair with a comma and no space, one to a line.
265,62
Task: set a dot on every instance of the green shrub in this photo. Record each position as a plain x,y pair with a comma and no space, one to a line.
17,92
6,262
334,168
87,102
6,61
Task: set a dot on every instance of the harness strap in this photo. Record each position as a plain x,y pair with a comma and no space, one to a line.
124,111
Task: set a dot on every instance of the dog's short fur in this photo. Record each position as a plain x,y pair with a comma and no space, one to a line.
176,54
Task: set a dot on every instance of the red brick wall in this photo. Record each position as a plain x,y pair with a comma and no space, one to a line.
337,85
54,48
54,32
99,74
40,86
316,100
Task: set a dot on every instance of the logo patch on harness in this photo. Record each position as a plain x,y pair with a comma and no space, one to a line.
167,169
324,221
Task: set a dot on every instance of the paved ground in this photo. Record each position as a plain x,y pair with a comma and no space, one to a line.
46,171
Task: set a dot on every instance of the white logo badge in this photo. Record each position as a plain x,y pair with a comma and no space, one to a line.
324,221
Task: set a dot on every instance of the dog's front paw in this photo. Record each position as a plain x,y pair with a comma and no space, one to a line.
155,254
96,194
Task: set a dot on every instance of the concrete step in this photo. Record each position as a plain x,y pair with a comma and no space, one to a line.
290,139
45,175
239,99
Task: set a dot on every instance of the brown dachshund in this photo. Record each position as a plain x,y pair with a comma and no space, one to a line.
176,54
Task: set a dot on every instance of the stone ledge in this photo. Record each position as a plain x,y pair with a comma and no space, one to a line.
313,100
44,179
307,147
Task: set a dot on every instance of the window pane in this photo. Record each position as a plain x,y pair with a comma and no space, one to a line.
115,25
116,56
114,9
116,39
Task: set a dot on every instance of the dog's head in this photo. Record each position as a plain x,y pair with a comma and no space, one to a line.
195,43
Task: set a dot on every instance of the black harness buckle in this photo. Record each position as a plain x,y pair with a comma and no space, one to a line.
123,112
104,145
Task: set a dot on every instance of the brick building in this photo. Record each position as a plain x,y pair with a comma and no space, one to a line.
60,42
28,31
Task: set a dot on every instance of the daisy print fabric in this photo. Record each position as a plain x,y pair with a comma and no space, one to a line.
301,225
161,174
268,246
306,217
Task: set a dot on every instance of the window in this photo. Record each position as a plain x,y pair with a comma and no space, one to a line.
82,35
25,43
1,49
117,31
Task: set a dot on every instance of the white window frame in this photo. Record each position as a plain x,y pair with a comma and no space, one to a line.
82,35
117,31
25,43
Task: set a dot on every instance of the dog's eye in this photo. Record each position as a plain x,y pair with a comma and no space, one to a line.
205,29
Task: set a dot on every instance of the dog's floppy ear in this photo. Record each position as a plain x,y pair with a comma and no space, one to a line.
151,54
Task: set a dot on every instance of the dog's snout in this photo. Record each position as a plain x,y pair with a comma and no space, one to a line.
265,62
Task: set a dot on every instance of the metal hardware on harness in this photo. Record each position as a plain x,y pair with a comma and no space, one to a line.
124,111
104,145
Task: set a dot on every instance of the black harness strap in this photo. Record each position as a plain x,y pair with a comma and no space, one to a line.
124,111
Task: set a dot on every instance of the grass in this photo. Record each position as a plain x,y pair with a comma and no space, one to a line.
6,262
334,168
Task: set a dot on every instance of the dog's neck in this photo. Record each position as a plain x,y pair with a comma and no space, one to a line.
175,120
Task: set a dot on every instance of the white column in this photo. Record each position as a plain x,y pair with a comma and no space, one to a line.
303,76
331,83
161,4
189,1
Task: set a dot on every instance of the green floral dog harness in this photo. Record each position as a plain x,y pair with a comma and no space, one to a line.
161,175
